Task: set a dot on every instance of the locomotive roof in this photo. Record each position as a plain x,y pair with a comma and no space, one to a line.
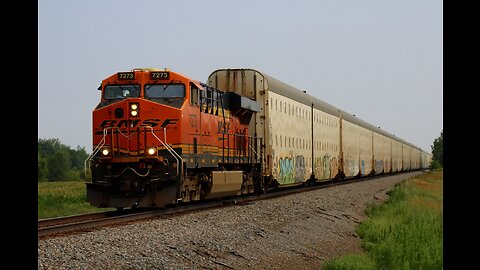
296,94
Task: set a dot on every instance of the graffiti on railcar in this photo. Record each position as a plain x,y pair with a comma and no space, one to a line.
322,165
363,167
387,165
378,166
289,170
274,166
286,168
352,167
348,168
326,167
299,169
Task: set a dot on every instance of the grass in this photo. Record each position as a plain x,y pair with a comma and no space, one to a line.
67,198
352,262
406,232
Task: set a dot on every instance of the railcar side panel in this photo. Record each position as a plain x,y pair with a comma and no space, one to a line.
378,153
405,157
351,151
411,158
428,160
409,153
415,158
425,162
395,156
366,153
291,147
387,154
326,135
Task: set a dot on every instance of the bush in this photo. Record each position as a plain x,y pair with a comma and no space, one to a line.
435,165
58,162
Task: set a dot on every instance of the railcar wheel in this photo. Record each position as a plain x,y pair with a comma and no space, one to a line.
275,184
261,185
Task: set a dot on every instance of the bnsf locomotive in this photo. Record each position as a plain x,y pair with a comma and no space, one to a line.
161,138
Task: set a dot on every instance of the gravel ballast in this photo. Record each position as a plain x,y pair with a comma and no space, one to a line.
299,231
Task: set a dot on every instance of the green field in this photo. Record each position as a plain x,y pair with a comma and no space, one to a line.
406,232
56,199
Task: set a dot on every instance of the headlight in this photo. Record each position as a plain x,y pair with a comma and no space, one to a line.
151,151
105,151
134,109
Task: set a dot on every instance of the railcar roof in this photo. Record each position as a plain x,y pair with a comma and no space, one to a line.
296,94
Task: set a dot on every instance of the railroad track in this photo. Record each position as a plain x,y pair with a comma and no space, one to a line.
70,223
88,222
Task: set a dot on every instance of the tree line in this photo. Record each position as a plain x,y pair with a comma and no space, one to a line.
58,162
437,153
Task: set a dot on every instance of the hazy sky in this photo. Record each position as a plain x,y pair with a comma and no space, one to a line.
380,60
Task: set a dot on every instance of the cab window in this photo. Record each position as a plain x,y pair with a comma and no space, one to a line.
169,94
164,91
193,94
121,91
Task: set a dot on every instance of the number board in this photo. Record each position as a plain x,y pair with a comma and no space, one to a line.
159,75
126,75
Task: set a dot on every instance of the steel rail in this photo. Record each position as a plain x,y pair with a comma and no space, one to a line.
48,222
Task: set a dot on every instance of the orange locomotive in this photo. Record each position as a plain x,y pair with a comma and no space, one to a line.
160,137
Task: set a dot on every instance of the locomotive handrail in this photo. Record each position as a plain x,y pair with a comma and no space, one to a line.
102,143
124,135
95,151
169,149
254,150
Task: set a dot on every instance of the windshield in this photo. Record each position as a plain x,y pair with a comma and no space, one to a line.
121,91
165,91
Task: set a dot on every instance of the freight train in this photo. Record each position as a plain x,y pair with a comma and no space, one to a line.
161,138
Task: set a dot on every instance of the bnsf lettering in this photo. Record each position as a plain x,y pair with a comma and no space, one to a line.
169,122
134,123
129,123
151,122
